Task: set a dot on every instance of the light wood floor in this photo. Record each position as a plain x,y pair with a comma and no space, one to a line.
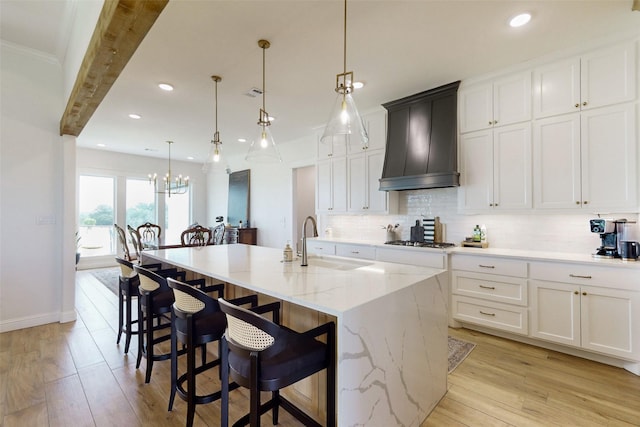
75,375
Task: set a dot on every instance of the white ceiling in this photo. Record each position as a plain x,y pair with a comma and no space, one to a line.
396,47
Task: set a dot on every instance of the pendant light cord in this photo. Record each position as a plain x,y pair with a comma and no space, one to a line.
264,88
216,109
345,38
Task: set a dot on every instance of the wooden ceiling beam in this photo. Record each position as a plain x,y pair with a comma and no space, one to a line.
120,29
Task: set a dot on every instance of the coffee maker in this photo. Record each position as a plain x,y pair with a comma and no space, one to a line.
612,233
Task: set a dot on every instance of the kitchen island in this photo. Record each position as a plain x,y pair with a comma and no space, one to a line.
391,322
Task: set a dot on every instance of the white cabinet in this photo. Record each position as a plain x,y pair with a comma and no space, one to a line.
413,256
331,185
364,171
503,101
586,160
320,247
490,292
496,168
376,125
600,78
580,306
356,251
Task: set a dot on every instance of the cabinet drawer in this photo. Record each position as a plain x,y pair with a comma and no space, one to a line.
620,277
505,317
491,265
321,248
421,257
509,290
356,251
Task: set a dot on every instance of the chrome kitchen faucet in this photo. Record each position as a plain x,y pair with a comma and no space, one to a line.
304,237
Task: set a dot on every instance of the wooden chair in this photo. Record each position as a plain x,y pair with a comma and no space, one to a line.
196,236
149,234
196,320
263,355
218,234
122,238
135,241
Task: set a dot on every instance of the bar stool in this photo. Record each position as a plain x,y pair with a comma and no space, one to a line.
128,283
263,355
196,320
154,302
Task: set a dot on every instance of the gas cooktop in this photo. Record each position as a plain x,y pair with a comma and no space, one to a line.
420,244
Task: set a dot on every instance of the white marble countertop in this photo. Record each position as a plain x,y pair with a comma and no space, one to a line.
532,255
330,284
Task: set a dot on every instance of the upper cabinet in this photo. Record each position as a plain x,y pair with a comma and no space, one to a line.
600,78
501,102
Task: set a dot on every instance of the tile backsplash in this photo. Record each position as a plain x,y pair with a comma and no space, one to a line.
564,232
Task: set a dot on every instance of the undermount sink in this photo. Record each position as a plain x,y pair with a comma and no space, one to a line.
337,264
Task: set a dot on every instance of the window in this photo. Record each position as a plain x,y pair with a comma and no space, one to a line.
177,213
141,202
96,216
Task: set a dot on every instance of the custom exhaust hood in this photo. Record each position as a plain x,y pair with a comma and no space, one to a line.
421,141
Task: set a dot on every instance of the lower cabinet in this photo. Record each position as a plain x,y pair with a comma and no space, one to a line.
604,319
493,300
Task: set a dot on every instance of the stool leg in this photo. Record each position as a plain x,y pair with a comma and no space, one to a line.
174,361
191,374
141,332
224,380
149,342
254,393
120,308
128,331
275,396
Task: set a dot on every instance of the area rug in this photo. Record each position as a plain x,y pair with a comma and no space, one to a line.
458,351
108,277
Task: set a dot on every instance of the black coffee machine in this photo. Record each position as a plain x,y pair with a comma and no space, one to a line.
610,231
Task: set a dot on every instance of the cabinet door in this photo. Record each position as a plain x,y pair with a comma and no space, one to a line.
610,321
357,173
476,163
377,200
339,184
608,76
512,167
555,312
475,107
512,99
376,124
556,88
609,157
556,162
323,186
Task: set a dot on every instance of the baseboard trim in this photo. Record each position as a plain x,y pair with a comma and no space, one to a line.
31,321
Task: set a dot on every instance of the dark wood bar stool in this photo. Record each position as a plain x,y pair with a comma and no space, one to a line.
263,355
196,321
154,303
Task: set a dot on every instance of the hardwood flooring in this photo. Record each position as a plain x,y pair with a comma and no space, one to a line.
74,374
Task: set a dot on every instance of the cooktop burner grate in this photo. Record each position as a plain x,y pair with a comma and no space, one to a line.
420,244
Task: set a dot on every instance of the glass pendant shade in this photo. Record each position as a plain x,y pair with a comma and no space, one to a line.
345,121
214,158
264,148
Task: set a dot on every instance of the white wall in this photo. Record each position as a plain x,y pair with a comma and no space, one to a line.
31,190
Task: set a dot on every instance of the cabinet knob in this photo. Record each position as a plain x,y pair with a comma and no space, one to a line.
495,122
584,293
490,204
576,293
577,105
584,103
490,122
495,204
577,202
329,155
585,202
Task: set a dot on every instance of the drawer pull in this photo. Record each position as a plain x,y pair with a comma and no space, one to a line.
577,276
487,314
355,252
486,266
487,287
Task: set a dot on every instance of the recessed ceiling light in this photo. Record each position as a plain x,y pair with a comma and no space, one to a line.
520,20
135,116
165,86
101,145
190,158
242,140
358,85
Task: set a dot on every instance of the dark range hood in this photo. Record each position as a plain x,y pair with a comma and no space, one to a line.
421,141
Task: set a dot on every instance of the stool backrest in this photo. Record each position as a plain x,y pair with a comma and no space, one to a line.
126,268
122,238
150,281
135,240
247,328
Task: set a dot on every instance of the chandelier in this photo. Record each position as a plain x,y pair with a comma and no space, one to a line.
345,119
215,149
170,185
265,149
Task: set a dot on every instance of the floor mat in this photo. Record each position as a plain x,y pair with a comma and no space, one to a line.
458,351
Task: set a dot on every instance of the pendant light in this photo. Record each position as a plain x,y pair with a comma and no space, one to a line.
169,185
345,120
264,149
215,150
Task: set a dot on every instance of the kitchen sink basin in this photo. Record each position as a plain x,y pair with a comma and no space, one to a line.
337,264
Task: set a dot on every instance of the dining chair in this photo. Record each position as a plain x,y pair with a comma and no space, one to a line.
262,355
122,238
218,234
149,234
196,320
135,241
196,236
